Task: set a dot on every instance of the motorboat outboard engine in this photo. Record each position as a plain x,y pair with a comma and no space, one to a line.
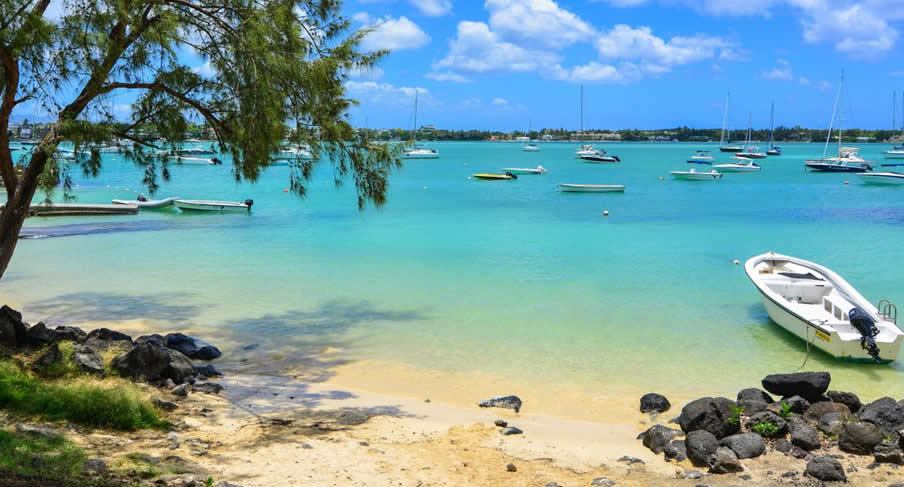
865,324
249,203
216,161
509,174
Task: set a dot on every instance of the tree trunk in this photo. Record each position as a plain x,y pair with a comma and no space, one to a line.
16,209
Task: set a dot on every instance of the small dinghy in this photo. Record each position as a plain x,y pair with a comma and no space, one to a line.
820,307
592,188
701,157
148,204
494,177
525,170
208,205
694,175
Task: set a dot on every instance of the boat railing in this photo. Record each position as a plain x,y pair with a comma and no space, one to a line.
888,311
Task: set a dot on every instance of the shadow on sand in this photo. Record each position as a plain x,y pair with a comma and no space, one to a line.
95,306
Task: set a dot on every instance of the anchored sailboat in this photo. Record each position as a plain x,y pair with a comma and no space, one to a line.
725,142
773,150
419,152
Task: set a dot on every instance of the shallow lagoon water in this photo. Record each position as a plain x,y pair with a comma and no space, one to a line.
509,278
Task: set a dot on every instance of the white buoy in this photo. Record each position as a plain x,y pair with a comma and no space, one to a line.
736,261
661,178
605,212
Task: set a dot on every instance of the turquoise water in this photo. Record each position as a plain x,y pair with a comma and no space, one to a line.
511,278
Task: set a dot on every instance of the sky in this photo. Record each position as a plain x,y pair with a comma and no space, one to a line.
507,64
644,64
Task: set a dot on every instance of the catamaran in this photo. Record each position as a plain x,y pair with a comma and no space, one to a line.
773,150
847,159
820,307
722,141
418,151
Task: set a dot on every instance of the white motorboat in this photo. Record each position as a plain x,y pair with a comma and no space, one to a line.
820,307
525,170
884,178
531,147
701,157
196,161
896,152
592,188
209,205
847,160
148,204
599,157
586,150
694,175
421,153
738,164
292,153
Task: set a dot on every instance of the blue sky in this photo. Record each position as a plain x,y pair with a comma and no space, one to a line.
498,64
644,63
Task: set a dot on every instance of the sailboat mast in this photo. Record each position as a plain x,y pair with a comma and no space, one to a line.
772,126
894,110
414,136
725,118
582,115
749,125
832,123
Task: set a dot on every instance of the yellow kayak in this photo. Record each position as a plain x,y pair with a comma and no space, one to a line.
494,177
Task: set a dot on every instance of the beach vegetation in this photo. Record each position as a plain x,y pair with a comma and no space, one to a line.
736,412
274,72
765,429
785,412
107,403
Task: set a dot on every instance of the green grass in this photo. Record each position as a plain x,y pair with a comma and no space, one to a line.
80,401
32,455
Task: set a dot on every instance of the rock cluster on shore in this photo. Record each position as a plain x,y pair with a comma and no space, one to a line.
717,433
162,361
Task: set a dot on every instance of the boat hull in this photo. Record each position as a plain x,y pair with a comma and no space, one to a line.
816,166
218,206
880,178
696,176
893,154
492,177
736,168
826,340
523,170
728,148
752,155
592,159
592,188
148,205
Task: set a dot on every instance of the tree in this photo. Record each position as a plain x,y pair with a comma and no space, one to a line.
274,64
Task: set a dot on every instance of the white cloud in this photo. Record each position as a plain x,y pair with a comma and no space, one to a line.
499,101
362,17
820,85
447,76
782,72
477,49
384,92
859,28
805,81
205,70
432,8
626,42
537,22
855,30
372,73
590,72
393,34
